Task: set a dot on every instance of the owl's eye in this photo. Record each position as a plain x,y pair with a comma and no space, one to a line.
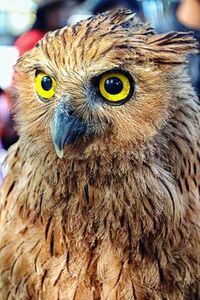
45,85
115,87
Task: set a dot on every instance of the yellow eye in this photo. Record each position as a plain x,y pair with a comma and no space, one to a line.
45,85
116,87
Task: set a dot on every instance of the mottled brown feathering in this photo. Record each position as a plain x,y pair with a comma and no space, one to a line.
118,216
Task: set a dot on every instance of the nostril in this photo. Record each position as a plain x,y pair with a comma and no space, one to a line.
70,112
66,108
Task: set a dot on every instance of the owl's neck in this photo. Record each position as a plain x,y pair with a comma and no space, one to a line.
114,197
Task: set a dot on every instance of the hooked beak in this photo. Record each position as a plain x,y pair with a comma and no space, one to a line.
65,128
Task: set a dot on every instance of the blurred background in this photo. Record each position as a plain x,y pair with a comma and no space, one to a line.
24,22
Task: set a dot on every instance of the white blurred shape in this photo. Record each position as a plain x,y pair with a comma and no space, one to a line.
8,57
23,5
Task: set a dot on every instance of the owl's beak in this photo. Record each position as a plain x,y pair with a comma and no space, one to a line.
65,128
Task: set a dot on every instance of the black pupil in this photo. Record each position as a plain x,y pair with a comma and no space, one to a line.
113,85
46,83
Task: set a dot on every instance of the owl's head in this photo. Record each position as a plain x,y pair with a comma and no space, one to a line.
108,81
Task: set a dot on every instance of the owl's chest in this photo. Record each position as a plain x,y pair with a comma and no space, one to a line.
39,263
84,246
76,259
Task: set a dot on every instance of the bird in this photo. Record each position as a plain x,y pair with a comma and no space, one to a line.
101,196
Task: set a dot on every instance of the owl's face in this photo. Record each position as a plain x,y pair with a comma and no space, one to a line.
105,81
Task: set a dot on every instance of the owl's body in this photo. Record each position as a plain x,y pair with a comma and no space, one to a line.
117,217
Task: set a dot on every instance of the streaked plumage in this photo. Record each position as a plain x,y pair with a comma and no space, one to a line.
117,217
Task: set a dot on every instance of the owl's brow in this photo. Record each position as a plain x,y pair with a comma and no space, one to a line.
43,68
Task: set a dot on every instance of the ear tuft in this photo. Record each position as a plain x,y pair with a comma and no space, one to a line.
172,46
124,17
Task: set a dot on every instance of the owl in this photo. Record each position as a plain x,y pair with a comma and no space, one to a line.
101,199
